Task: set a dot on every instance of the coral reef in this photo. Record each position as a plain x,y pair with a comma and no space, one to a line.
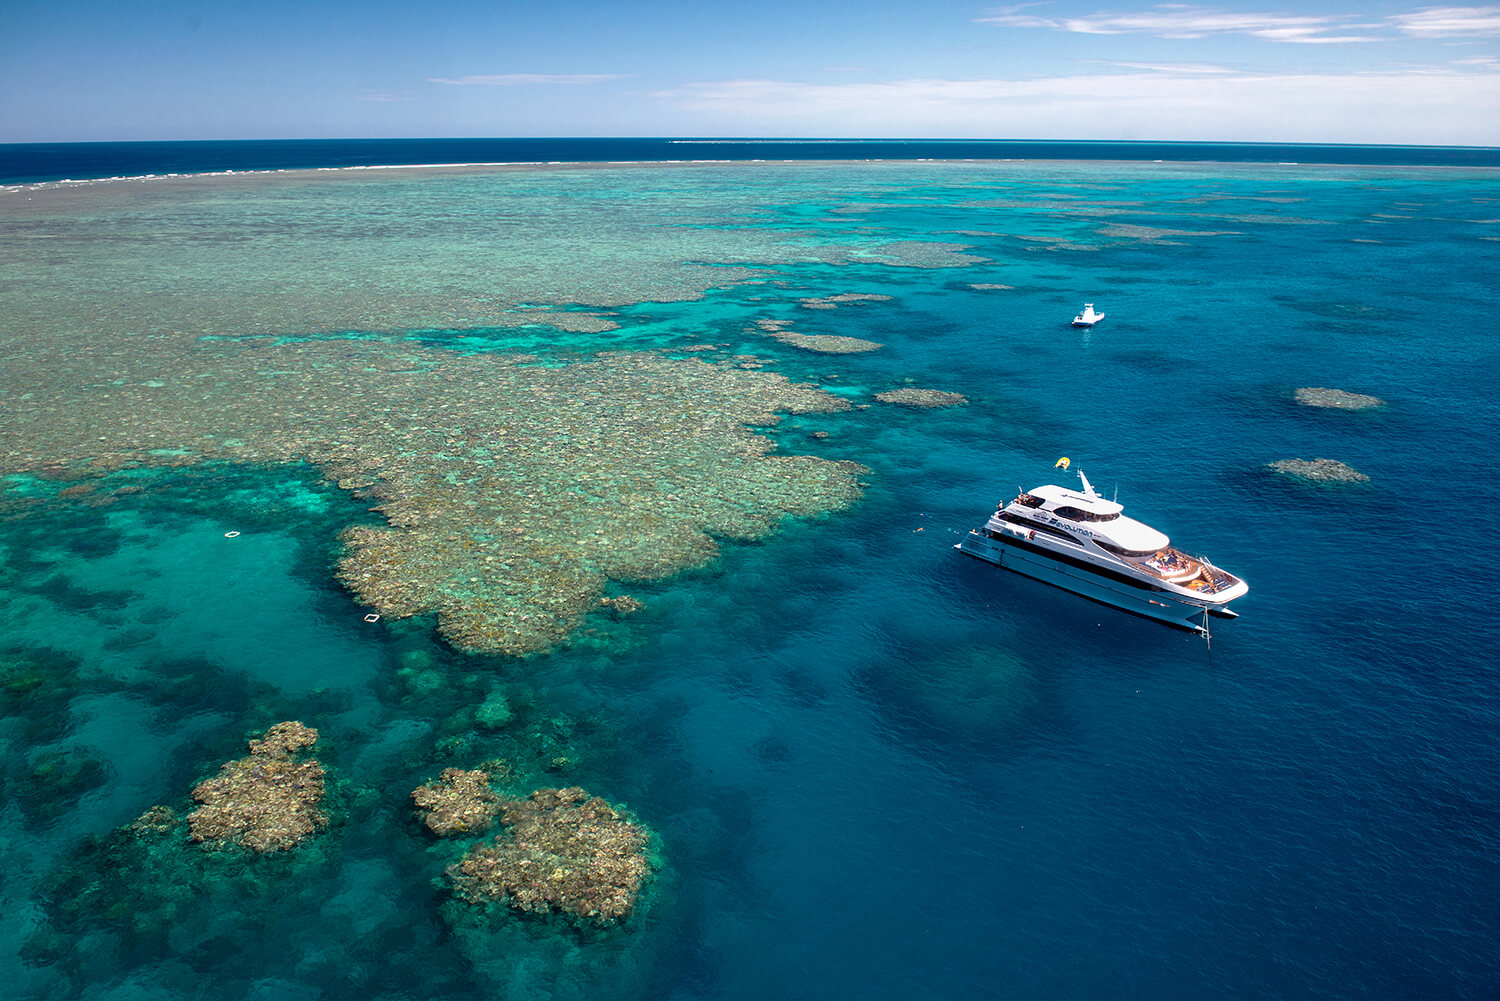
53,782
924,398
564,852
36,686
156,820
495,711
146,889
827,344
265,802
1336,399
1318,471
835,301
964,698
457,802
284,739
622,605
512,491
501,256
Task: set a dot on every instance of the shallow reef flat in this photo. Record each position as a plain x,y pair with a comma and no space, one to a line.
512,491
413,249
178,321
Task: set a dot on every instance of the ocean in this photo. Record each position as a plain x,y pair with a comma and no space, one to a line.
243,412
30,162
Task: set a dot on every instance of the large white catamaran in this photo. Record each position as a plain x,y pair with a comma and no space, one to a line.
1078,541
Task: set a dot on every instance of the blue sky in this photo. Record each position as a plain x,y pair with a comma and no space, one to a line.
1302,71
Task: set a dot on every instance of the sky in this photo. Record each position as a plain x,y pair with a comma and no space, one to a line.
1362,71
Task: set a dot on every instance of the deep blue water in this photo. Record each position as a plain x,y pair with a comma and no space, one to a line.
881,770
32,162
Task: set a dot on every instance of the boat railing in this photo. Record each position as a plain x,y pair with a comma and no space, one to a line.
1216,580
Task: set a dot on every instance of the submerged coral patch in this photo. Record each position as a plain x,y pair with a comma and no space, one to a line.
828,344
923,254
457,802
265,802
284,739
564,851
1318,471
622,605
1336,399
53,781
835,301
922,398
156,820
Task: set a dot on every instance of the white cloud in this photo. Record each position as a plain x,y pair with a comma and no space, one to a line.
1171,67
1433,107
523,79
1449,22
1183,21
1011,17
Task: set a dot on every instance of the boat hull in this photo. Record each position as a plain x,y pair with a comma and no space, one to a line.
1035,562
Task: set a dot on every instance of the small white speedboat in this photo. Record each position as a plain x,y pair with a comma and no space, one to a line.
1088,317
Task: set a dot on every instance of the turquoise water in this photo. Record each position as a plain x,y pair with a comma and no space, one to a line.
876,768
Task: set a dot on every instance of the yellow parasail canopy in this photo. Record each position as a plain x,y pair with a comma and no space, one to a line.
1061,463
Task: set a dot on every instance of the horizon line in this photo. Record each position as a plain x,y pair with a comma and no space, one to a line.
756,140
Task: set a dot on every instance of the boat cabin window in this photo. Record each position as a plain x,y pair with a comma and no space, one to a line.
1079,514
1038,527
1134,554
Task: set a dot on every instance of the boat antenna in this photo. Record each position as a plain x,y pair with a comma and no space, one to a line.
1088,487
1116,497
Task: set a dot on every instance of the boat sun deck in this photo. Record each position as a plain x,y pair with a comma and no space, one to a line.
1174,566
